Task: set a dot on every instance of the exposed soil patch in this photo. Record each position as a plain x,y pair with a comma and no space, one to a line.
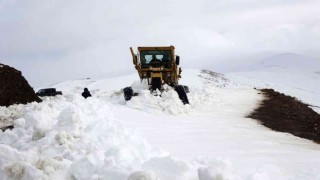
14,88
287,114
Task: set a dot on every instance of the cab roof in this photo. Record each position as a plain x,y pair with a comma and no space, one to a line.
156,48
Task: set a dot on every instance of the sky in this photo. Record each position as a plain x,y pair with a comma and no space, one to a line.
56,40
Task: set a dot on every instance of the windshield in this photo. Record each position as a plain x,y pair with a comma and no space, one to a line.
148,57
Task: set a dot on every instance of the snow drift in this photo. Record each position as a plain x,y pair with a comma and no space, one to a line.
70,137
104,137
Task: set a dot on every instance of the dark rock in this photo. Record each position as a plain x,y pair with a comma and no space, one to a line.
14,88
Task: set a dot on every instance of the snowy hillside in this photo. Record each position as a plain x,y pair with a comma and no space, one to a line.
292,74
283,61
104,137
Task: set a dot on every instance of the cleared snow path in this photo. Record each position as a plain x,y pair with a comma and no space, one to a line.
221,132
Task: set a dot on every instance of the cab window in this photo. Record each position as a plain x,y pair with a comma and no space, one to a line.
147,56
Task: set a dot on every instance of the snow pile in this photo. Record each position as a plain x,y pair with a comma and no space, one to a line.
216,169
170,168
68,137
142,175
169,102
7,115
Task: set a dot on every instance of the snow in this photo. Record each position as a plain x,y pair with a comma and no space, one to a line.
73,136
292,74
152,137
284,61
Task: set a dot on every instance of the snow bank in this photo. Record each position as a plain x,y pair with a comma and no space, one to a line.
217,169
68,137
169,102
169,168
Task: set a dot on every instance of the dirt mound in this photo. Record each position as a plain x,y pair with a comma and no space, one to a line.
287,114
14,88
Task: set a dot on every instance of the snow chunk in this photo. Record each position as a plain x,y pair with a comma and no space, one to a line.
269,172
142,175
19,122
218,168
22,170
88,167
168,168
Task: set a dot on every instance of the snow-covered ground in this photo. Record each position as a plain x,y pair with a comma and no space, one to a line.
152,137
289,73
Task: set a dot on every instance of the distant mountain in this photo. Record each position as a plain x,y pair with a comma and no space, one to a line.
283,61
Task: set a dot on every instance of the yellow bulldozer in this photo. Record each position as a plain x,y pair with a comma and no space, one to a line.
159,66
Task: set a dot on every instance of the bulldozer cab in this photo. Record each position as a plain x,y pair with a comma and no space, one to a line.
155,58
159,65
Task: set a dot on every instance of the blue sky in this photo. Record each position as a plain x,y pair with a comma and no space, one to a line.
57,40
